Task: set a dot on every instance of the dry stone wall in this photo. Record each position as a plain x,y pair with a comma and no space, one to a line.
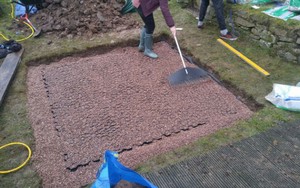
267,32
278,35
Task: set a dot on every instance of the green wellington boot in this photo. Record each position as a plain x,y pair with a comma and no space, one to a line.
148,46
142,40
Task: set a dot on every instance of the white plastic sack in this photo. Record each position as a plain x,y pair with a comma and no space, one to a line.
296,18
285,97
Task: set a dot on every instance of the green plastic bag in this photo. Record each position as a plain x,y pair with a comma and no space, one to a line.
259,2
281,12
294,5
128,7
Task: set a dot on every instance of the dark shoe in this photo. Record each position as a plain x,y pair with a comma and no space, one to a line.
3,53
11,46
228,36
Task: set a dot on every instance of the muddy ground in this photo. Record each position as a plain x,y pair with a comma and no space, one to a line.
69,18
80,107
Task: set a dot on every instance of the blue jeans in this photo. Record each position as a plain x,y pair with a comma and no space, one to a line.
148,21
219,9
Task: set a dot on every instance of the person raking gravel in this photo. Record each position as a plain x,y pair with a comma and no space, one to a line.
145,8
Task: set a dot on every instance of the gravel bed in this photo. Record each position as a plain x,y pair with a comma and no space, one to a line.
121,101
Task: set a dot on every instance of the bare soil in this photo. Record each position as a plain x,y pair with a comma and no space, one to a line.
69,18
80,107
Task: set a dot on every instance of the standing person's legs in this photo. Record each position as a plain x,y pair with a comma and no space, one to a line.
219,9
148,20
202,12
146,39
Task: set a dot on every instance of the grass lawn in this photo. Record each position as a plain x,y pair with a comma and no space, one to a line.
233,72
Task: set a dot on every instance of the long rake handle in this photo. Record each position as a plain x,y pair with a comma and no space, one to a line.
31,24
180,55
25,17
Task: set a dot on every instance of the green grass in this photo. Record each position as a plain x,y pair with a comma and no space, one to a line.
14,127
203,45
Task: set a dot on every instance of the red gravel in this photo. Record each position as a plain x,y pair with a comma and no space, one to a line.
121,101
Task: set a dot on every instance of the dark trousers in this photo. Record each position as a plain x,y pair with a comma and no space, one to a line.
148,20
219,9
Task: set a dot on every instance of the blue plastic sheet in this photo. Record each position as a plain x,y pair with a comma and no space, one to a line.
21,10
112,171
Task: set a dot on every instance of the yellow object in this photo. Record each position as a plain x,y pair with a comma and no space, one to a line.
251,63
23,164
22,39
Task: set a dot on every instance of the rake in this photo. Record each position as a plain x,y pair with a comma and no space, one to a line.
186,74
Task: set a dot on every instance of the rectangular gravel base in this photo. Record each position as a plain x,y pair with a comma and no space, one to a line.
121,101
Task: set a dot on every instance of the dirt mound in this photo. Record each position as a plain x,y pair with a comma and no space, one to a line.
79,17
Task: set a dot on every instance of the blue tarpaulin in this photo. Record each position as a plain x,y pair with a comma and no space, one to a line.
112,171
21,10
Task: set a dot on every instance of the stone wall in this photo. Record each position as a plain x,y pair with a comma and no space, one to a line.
270,33
278,35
